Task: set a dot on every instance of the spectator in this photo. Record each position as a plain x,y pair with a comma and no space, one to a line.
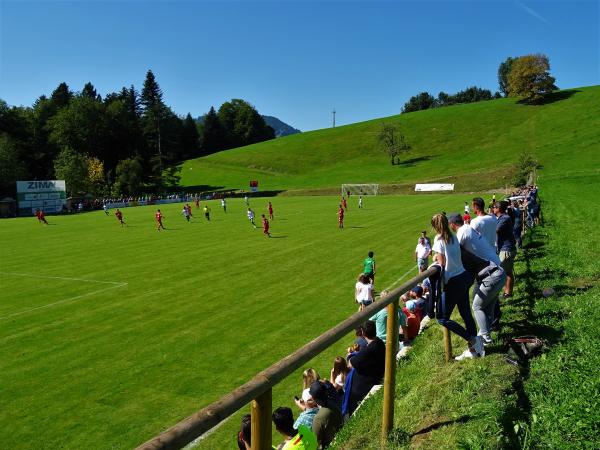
518,224
422,253
424,236
338,373
380,319
369,367
363,291
506,245
303,438
309,410
244,435
360,343
308,376
413,322
457,282
483,223
481,261
329,418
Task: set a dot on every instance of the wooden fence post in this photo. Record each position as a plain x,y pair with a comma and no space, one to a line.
389,380
260,422
447,344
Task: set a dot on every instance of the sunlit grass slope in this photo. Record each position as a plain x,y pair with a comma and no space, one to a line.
482,137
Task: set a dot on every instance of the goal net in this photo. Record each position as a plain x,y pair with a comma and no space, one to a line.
360,189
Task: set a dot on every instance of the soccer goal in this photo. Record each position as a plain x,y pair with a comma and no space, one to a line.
360,189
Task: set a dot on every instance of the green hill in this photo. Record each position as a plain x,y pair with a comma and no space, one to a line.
447,142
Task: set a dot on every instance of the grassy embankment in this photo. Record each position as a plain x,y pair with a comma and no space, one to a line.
488,403
473,146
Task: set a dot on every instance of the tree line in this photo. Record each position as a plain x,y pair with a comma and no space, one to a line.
123,144
524,76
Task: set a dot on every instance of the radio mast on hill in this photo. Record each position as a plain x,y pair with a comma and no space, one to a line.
333,112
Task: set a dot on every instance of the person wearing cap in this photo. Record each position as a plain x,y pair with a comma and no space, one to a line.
309,412
484,265
301,439
422,252
329,418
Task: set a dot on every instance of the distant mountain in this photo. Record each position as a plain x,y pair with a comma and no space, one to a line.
281,128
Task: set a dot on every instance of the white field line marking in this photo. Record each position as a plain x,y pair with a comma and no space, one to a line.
203,436
114,285
400,279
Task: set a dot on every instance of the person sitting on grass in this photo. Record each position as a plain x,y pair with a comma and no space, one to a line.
309,410
369,367
244,438
380,319
329,418
338,373
303,438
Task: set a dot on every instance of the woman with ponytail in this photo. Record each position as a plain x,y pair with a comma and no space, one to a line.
456,292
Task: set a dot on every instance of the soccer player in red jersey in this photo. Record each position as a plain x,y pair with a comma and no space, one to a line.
119,216
40,216
197,203
270,211
344,203
265,224
159,218
341,217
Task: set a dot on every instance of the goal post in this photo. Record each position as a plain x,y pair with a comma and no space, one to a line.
360,189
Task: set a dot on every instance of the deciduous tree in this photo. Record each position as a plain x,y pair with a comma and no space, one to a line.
530,78
392,142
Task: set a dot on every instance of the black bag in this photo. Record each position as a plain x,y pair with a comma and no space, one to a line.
524,348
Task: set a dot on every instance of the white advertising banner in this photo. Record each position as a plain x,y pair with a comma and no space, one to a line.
434,187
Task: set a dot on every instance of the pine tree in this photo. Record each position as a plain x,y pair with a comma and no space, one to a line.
90,92
153,114
61,96
189,138
213,134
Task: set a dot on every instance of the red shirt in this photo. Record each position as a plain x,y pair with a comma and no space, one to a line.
119,215
265,224
40,215
341,214
467,217
158,216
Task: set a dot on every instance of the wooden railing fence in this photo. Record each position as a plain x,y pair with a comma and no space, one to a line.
258,390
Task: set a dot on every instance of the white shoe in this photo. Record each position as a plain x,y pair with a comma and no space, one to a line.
467,354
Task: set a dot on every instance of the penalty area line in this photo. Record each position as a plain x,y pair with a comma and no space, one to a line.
400,279
31,275
114,285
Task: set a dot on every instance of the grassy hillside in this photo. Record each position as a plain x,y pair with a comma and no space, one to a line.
463,139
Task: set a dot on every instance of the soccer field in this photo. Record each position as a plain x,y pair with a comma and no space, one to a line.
109,335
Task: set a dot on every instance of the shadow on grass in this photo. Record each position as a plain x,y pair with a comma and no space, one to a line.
413,161
435,426
552,97
528,322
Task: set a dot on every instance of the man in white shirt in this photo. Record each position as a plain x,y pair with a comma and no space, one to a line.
489,276
483,223
422,253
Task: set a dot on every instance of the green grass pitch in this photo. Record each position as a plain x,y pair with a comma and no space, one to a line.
109,335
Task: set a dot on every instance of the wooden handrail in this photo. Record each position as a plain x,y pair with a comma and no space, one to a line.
200,422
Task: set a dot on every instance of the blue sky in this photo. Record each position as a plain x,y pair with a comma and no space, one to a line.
296,60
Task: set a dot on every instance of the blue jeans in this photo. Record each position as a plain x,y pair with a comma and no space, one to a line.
457,294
